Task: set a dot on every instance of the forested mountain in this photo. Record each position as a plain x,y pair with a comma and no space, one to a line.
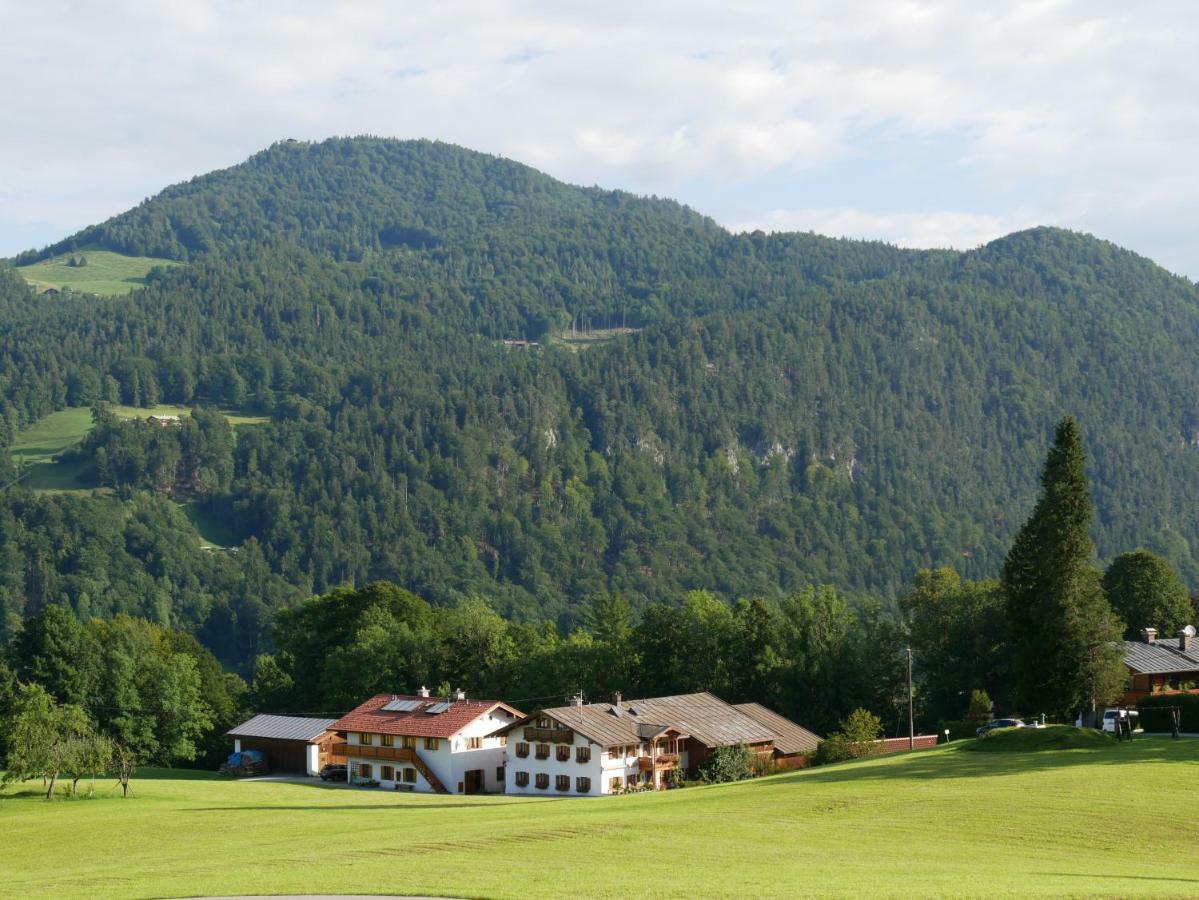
789,410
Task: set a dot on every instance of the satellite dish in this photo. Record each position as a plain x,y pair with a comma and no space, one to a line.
1189,631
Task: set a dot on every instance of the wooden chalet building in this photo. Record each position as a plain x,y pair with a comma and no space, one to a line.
429,744
590,749
1160,665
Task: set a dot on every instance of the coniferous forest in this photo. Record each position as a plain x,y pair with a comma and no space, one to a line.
758,417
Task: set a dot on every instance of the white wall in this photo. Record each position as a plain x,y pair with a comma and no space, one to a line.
314,759
450,761
553,767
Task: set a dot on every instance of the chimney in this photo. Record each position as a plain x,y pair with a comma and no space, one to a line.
616,699
459,694
1186,638
423,692
1149,635
577,699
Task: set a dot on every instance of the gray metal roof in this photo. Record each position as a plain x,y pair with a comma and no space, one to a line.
1159,658
282,728
789,737
704,717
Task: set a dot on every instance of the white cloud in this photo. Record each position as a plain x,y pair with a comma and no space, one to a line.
1080,111
923,229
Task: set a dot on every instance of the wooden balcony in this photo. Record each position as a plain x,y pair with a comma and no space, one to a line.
550,735
399,754
661,761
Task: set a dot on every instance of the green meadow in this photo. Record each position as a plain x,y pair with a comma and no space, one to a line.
1114,819
35,447
107,273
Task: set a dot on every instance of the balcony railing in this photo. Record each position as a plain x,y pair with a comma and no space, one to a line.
400,754
661,761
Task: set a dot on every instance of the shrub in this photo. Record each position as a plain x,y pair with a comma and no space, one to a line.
979,710
833,749
862,729
727,764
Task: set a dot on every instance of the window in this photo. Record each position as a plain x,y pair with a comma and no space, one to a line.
563,753
543,780
522,749
562,782
432,743
644,749
503,739
499,774
613,753
522,779
409,775
366,739
475,743
389,740
388,773
543,751
630,750
364,770
583,785
409,742
544,722
614,783
582,754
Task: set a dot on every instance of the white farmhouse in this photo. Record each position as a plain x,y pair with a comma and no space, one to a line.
589,749
423,743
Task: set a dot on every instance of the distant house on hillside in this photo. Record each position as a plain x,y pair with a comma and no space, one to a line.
1157,665
589,749
164,421
291,744
429,744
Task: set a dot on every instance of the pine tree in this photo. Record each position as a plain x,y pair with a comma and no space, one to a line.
1064,634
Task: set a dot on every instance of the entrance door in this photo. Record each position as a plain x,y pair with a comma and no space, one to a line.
474,781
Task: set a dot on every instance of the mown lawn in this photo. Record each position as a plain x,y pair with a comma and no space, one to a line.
1113,821
106,273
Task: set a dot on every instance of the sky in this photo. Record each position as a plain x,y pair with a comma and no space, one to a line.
919,122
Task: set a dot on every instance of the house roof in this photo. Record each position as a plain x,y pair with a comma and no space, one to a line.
1159,658
282,728
789,737
371,718
703,716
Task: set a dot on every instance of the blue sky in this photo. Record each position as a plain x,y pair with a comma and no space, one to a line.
921,123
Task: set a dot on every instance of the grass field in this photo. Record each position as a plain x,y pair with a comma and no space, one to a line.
1115,820
581,340
106,273
37,445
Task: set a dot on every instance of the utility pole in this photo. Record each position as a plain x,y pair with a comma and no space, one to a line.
911,727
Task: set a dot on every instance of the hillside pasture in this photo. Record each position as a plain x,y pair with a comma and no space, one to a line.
106,274
942,822
35,447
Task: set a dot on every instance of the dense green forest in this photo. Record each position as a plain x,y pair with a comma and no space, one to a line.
791,411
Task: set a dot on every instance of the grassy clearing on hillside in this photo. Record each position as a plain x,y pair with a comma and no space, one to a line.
106,273
580,340
35,447
936,822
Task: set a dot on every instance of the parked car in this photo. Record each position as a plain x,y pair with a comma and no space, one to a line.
334,772
999,723
1111,716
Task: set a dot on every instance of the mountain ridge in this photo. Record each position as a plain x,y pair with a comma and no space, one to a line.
781,409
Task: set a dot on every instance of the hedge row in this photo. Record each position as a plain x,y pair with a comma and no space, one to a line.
1154,717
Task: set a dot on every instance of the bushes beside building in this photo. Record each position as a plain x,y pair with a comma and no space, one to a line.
1155,712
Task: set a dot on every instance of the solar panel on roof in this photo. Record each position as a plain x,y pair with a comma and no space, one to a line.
438,708
401,705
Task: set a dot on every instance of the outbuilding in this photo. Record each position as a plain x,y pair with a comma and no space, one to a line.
291,744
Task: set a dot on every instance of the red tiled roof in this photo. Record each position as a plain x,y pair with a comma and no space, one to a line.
371,718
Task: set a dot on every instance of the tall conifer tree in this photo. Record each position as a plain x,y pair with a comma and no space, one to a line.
1063,629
